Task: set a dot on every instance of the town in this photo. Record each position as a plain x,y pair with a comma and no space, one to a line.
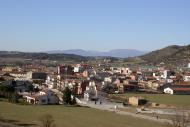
131,90
94,63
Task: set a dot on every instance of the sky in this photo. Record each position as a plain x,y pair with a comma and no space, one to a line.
43,25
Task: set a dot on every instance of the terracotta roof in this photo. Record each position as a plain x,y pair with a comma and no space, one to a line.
181,89
183,83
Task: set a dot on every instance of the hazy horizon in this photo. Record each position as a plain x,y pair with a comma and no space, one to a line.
45,51
101,25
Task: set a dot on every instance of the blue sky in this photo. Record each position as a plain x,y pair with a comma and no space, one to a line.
41,25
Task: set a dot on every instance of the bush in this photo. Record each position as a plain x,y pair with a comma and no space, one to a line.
47,120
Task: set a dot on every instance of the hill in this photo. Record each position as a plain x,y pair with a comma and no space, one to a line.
160,55
171,55
21,58
41,56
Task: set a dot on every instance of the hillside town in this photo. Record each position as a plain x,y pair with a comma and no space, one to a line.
39,85
94,63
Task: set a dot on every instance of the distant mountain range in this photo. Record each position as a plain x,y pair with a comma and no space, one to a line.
120,53
171,55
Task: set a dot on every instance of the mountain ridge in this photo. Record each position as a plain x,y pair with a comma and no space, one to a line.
120,53
170,55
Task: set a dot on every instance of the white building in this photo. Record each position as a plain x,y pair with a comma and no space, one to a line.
186,78
168,90
42,98
91,91
51,82
29,75
76,69
188,65
108,79
165,74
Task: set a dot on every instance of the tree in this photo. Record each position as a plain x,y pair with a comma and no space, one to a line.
180,119
14,98
67,96
108,88
74,101
29,88
67,99
13,83
47,120
6,91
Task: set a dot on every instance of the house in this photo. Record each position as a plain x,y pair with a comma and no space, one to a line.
23,86
186,77
65,70
137,101
19,75
130,88
108,79
42,98
36,75
153,84
91,91
178,89
19,86
39,76
10,69
51,81
167,74
125,85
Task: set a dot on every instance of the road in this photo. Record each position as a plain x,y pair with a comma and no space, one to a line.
110,106
113,107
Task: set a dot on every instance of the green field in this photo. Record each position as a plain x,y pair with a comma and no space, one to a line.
71,116
175,100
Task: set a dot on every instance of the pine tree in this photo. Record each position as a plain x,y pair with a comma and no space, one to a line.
67,96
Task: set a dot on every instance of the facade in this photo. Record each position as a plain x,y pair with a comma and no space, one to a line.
137,101
65,70
39,76
177,90
168,90
186,78
91,91
19,75
42,98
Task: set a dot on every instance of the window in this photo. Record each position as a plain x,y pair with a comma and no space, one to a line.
43,101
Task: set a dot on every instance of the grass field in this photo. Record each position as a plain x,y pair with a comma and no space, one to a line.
71,116
175,100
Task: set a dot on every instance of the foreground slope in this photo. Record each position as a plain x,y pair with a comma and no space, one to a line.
71,116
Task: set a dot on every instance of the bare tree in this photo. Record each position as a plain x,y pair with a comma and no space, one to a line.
47,120
180,119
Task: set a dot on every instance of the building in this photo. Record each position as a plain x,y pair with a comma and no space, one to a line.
65,70
42,98
137,101
91,92
167,74
36,75
186,77
39,76
19,75
188,65
178,89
